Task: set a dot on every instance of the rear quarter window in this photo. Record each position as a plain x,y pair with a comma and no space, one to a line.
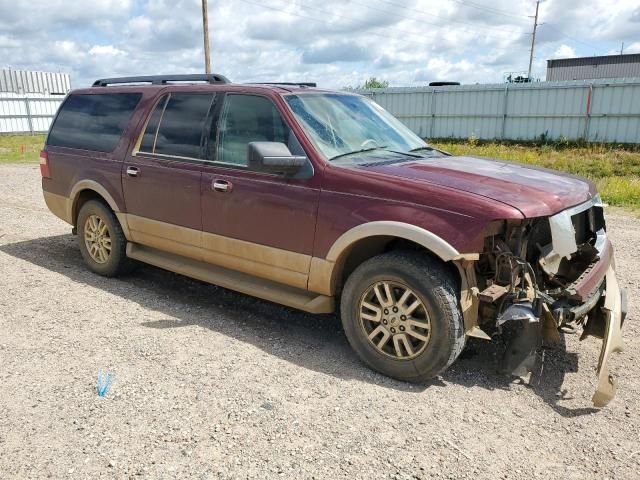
93,121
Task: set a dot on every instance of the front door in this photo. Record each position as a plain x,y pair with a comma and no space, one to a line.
161,178
258,223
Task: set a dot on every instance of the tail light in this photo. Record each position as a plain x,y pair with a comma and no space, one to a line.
44,164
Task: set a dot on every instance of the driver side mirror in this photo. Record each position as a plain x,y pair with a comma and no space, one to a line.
274,157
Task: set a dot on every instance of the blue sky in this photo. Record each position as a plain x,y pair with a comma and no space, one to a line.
333,42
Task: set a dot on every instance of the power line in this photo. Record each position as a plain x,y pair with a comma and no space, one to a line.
550,25
324,22
327,13
389,2
423,12
489,9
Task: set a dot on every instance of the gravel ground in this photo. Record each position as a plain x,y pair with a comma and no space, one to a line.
213,384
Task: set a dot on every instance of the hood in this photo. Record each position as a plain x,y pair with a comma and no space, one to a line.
532,190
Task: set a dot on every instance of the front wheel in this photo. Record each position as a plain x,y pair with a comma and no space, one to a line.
401,315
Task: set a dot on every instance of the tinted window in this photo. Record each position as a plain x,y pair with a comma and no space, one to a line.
181,125
93,122
149,138
248,118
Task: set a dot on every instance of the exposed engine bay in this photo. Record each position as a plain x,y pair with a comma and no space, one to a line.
539,276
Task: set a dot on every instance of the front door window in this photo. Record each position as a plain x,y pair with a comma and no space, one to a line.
245,119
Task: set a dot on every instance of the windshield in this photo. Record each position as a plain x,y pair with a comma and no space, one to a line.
341,124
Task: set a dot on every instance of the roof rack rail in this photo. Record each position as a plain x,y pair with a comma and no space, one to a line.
294,84
162,79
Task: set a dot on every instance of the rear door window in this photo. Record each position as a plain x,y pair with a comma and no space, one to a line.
176,125
93,121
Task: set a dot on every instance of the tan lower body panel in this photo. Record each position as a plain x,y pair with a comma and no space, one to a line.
321,278
62,207
233,280
59,205
282,266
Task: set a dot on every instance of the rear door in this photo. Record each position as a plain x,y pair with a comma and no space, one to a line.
161,177
256,222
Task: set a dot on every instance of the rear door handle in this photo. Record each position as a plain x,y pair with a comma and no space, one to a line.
133,171
222,186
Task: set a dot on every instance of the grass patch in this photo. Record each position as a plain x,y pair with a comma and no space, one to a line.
20,148
615,170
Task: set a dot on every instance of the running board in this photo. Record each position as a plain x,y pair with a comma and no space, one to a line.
233,280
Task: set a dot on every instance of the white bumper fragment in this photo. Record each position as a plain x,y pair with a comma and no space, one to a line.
612,341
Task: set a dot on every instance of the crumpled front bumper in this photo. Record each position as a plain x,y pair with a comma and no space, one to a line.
597,289
614,311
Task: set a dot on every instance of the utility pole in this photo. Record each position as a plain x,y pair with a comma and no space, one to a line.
205,29
622,49
533,38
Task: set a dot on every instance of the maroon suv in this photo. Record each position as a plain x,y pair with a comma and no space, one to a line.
323,201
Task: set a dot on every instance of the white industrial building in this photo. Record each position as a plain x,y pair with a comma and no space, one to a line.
29,100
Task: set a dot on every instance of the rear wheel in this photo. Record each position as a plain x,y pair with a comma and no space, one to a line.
401,315
101,240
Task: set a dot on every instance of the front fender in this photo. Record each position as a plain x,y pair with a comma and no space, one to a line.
421,236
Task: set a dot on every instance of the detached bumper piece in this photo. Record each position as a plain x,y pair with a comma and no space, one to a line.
614,311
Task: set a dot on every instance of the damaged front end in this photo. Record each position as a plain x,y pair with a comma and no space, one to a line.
540,275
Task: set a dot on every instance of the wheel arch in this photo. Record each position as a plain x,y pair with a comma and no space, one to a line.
86,190
370,239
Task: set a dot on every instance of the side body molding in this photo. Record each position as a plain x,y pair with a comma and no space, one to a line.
324,272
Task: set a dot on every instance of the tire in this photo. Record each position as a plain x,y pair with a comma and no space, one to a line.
433,287
116,262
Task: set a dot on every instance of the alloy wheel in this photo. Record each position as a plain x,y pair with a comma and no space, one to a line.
97,239
395,320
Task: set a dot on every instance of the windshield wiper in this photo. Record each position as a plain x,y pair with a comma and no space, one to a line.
362,150
431,150
422,148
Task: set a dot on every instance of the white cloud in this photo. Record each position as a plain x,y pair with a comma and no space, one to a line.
633,48
564,51
8,42
105,51
333,42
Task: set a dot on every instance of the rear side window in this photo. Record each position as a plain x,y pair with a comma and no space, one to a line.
94,121
176,125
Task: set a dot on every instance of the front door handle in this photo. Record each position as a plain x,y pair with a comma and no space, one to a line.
222,186
133,171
